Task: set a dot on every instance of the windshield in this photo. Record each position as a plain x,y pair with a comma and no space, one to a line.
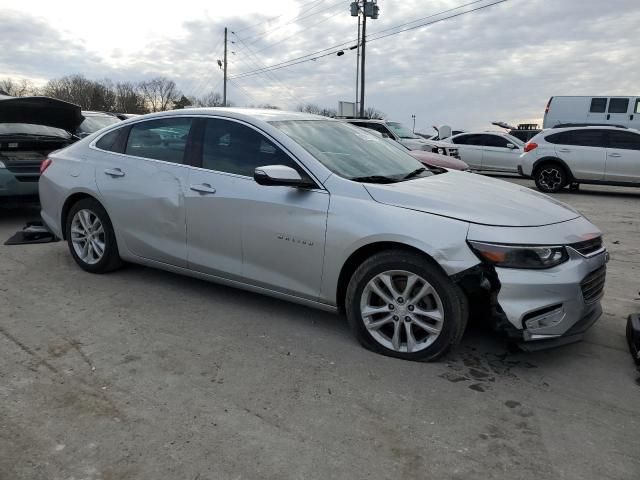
351,152
93,123
400,130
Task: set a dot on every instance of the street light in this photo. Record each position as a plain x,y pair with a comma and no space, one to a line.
414,123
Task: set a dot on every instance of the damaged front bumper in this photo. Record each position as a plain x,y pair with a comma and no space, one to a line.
541,308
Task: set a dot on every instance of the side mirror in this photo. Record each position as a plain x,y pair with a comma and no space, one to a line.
511,146
279,175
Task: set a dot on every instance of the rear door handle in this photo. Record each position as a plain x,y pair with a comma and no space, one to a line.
615,155
114,172
203,188
564,150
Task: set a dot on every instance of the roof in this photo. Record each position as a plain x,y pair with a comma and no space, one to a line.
264,114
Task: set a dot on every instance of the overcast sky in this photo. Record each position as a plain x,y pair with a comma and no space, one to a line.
500,63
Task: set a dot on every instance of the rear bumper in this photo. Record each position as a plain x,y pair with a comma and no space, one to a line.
23,185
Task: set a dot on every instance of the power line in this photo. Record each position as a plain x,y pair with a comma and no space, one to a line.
250,27
336,48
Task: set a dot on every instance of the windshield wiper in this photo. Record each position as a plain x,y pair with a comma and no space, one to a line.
374,179
415,173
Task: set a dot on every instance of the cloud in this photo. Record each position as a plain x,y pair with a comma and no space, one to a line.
501,63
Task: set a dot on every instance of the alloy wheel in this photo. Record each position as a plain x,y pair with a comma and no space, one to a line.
550,178
88,236
402,311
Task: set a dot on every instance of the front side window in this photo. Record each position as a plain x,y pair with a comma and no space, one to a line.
349,151
163,139
401,131
232,147
637,110
624,140
618,105
496,141
598,105
586,138
462,139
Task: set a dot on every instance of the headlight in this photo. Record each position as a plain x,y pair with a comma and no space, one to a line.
2,165
441,151
520,256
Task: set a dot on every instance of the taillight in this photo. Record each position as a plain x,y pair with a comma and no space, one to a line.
46,163
530,146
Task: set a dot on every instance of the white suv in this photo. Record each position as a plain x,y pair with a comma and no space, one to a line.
600,155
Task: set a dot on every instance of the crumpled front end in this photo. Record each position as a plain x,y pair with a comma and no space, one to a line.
541,307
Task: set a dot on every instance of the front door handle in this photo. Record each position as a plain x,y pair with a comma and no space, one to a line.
114,172
615,155
203,188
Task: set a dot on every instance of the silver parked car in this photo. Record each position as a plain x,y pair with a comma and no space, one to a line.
316,211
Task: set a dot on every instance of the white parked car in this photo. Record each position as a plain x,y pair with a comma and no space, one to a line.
489,151
582,111
596,155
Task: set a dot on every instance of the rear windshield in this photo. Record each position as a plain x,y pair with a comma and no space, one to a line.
22,129
93,123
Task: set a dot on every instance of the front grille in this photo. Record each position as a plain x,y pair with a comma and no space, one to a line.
22,168
28,178
453,152
593,285
588,246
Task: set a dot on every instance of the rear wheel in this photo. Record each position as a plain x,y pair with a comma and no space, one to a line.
91,239
551,177
401,305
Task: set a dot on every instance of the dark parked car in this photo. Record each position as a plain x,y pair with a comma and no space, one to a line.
30,129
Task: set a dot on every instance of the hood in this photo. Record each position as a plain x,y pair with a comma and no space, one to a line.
40,111
438,160
474,198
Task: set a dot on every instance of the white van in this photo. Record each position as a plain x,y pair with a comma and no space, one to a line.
575,111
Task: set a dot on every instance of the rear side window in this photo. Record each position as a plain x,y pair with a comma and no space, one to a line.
624,140
586,138
637,110
495,141
462,139
163,139
557,138
112,141
598,105
235,148
618,105
378,127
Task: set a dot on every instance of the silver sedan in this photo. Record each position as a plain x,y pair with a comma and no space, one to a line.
322,213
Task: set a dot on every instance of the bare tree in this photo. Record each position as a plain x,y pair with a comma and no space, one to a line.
317,110
18,88
128,98
211,99
159,93
372,112
266,106
89,94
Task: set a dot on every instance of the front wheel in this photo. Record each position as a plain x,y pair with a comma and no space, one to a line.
401,305
551,178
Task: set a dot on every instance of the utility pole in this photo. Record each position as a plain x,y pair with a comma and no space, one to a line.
357,64
224,94
414,123
364,44
369,9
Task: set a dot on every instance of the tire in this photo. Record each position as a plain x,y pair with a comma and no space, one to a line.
447,302
87,211
551,177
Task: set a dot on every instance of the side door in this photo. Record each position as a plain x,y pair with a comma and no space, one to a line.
597,111
584,151
619,112
268,236
497,155
143,187
469,151
623,157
